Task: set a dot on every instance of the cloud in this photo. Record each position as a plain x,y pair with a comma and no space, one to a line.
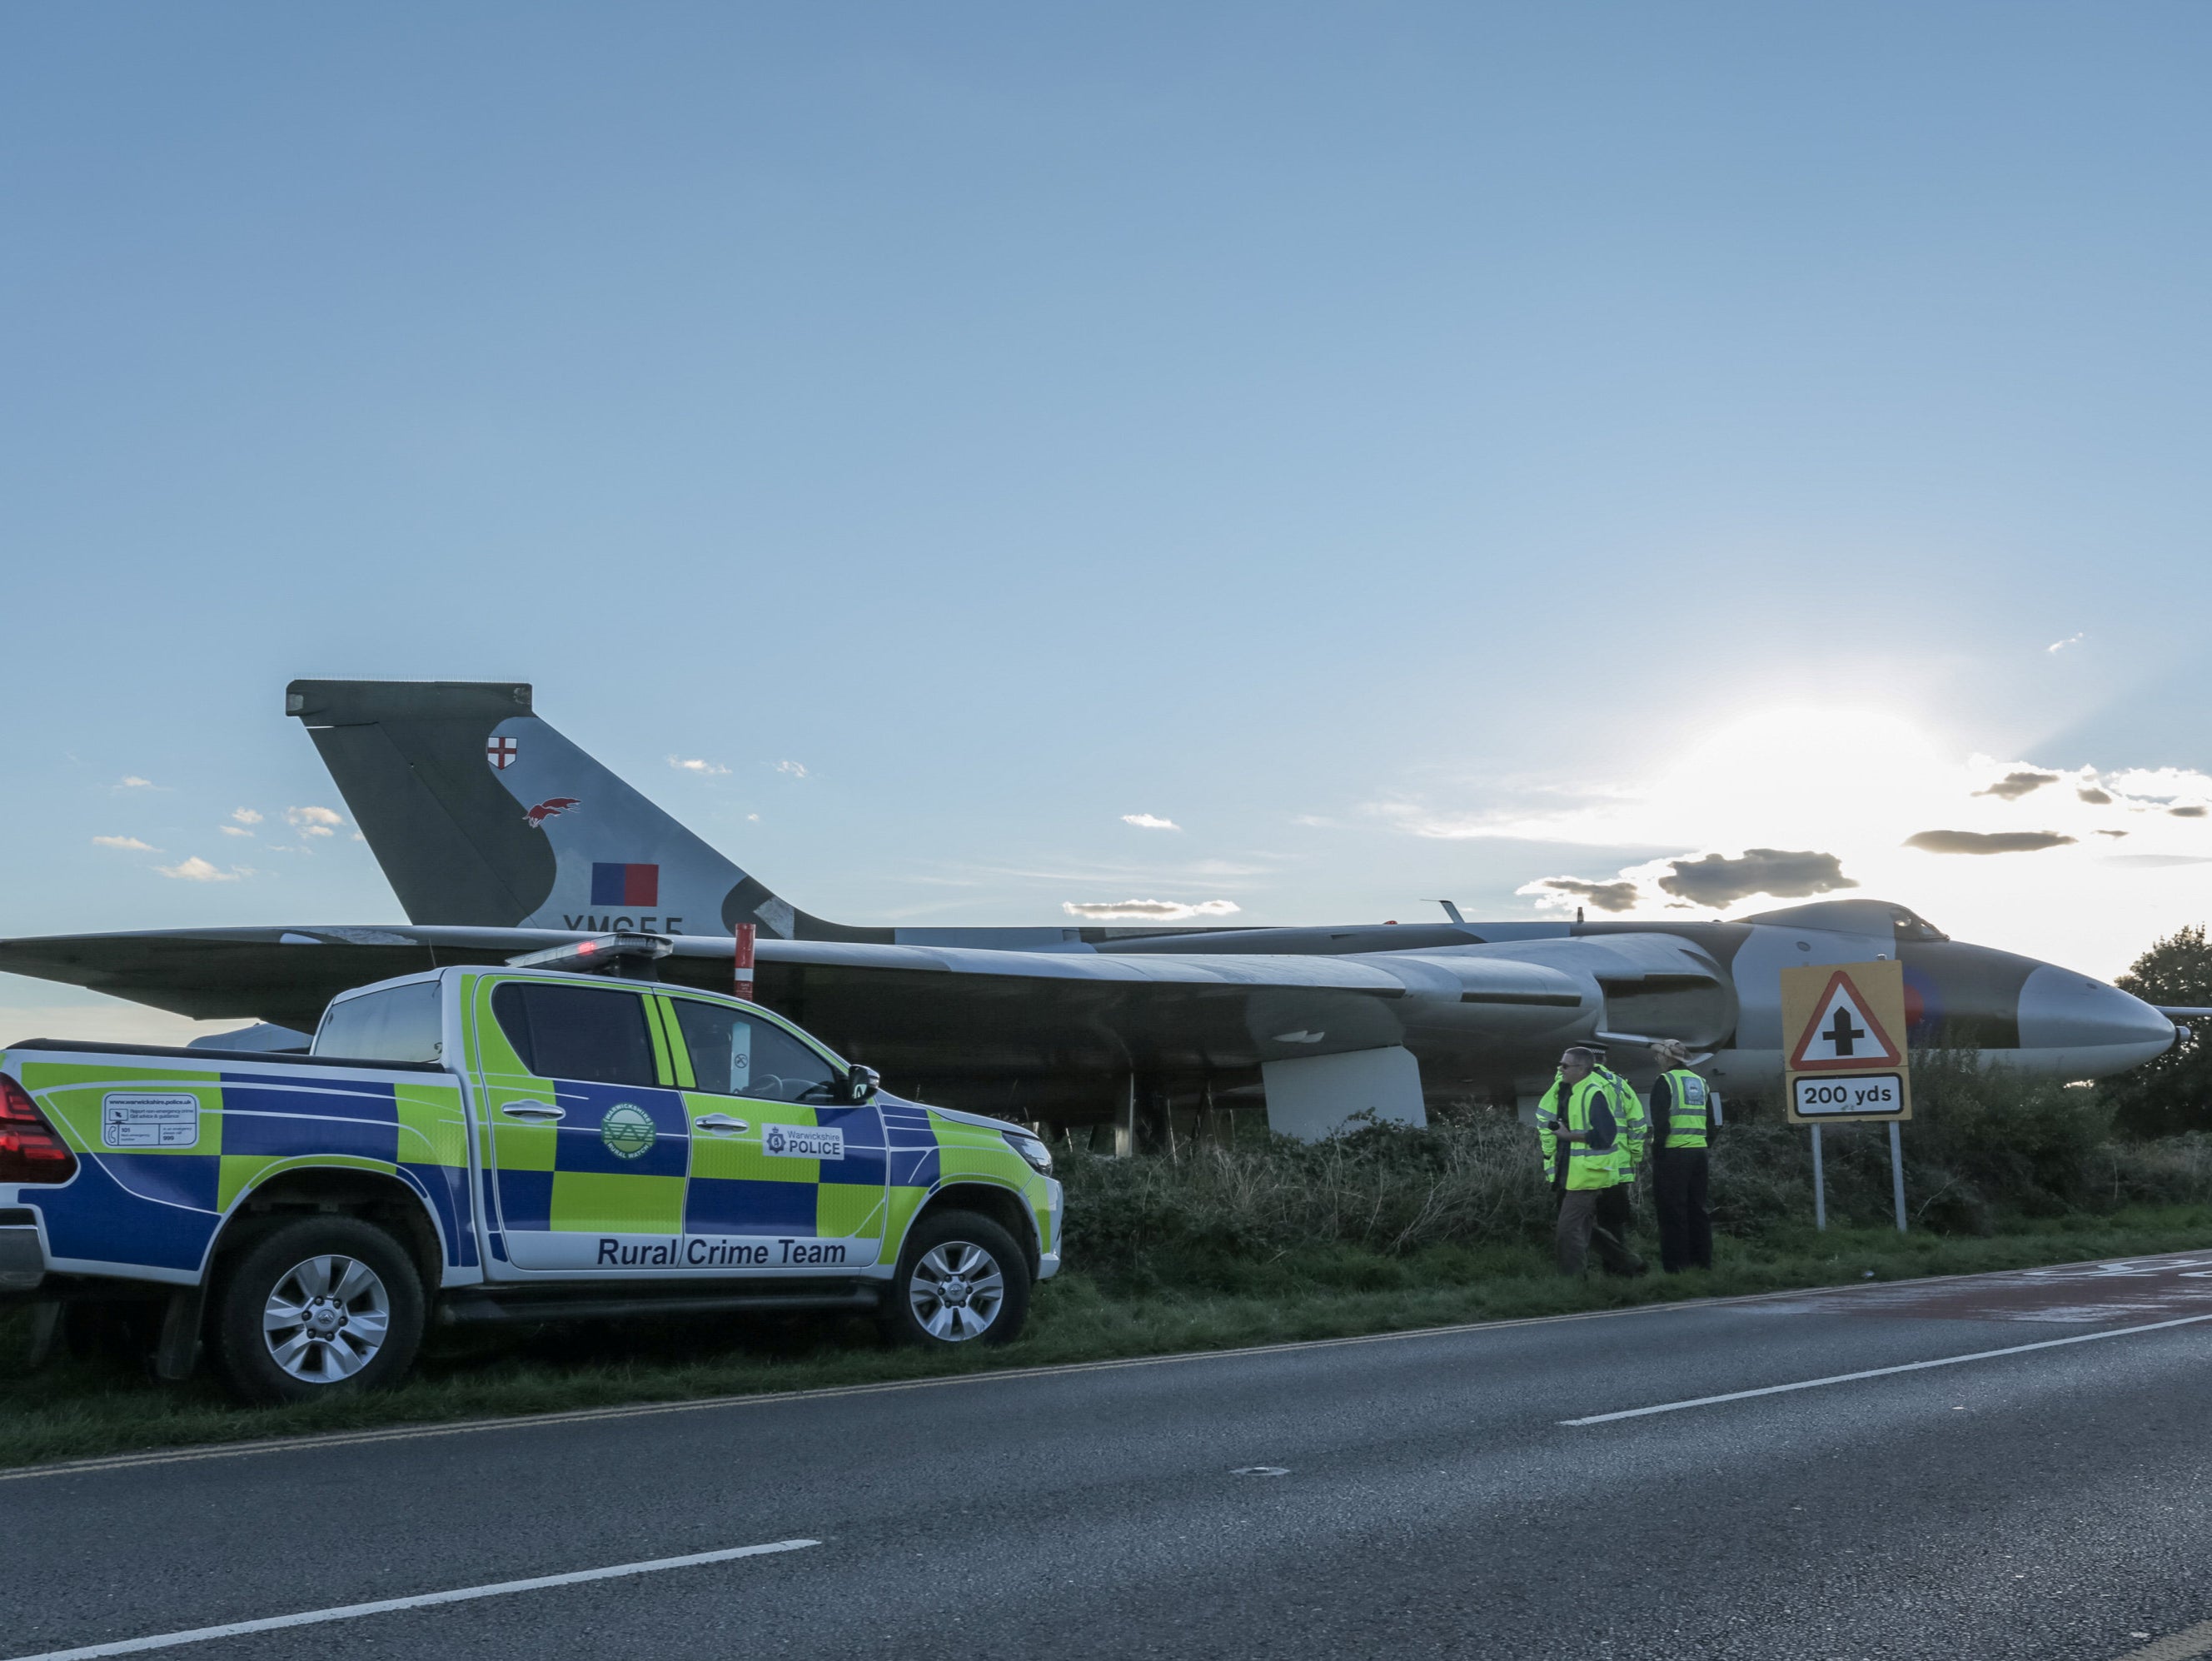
1146,910
752,818
2096,797
2061,645
2013,786
1620,896
233,830
1597,815
1986,841
696,764
2111,833
1715,880
196,869
1709,883
130,843
2154,860
1149,821
132,782
312,821
795,769
246,815
2190,813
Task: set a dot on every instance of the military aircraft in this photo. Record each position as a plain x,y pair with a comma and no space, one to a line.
500,836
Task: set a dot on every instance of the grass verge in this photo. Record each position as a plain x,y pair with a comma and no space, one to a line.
79,1408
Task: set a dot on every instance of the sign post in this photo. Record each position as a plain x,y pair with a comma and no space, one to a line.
1846,1063
1820,1186
1897,1173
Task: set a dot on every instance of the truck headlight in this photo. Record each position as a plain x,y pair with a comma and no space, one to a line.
1030,1148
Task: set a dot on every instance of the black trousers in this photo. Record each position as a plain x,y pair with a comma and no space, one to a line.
1616,1212
1685,1225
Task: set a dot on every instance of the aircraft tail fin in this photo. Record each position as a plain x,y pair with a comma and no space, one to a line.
481,813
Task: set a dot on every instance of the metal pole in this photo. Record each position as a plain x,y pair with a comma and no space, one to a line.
1897,1172
742,972
1820,1186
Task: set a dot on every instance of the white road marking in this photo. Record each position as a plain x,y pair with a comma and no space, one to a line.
388,1605
1883,1373
2181,1645
763,1398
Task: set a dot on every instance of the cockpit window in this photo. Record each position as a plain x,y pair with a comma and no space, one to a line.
1911,927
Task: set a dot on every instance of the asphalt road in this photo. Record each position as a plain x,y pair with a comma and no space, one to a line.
2052,1502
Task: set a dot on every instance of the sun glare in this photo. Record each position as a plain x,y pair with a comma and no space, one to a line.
1812,777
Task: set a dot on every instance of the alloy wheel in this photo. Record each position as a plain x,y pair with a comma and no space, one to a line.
957,1291
326,1318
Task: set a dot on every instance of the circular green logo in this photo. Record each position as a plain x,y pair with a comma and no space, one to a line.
628,1130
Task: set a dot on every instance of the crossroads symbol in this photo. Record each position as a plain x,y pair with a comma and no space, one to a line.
1843,1033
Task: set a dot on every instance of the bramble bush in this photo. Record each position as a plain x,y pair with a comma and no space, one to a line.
1984,1148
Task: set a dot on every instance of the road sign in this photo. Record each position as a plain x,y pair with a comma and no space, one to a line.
1845,1027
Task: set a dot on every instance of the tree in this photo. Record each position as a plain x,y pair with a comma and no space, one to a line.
2174,1092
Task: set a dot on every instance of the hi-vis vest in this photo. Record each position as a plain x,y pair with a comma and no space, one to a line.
1689,1110
1629,1110
1588,1163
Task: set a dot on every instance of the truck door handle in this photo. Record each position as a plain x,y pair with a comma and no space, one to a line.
537,1112
718,1123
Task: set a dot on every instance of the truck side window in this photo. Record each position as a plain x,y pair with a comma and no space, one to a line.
594,1034
733,1055
399,1024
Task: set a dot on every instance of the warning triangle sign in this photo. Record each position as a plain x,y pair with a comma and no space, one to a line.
1843,1035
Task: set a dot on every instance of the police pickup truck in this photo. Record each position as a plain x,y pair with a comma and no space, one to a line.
518,1143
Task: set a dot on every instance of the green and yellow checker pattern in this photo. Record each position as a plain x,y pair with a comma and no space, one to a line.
164,1152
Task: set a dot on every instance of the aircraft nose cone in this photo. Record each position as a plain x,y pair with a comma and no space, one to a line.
2090,1021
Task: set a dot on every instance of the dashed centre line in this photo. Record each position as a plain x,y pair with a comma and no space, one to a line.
425,1600
1883,1373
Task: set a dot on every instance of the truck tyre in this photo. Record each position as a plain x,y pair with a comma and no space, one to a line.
318,1307
961,1279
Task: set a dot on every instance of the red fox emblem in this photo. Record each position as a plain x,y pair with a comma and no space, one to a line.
536,817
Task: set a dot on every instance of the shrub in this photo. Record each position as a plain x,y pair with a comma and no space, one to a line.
1983,1146
1385,1188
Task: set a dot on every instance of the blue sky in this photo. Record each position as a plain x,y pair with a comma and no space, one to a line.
1415,450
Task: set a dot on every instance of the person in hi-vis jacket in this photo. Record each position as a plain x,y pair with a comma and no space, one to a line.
1583,1157
1684,1111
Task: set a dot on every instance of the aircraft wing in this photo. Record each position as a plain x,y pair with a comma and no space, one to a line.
1011,1031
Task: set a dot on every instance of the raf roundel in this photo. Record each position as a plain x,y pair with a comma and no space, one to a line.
628,1130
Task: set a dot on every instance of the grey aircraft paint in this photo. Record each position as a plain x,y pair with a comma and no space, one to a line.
498,835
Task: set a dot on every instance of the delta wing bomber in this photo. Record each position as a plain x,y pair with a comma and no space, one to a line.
498,835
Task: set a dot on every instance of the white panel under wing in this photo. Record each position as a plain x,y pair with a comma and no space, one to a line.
1313,1097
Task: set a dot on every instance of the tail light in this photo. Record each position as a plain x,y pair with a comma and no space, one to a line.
29,1150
